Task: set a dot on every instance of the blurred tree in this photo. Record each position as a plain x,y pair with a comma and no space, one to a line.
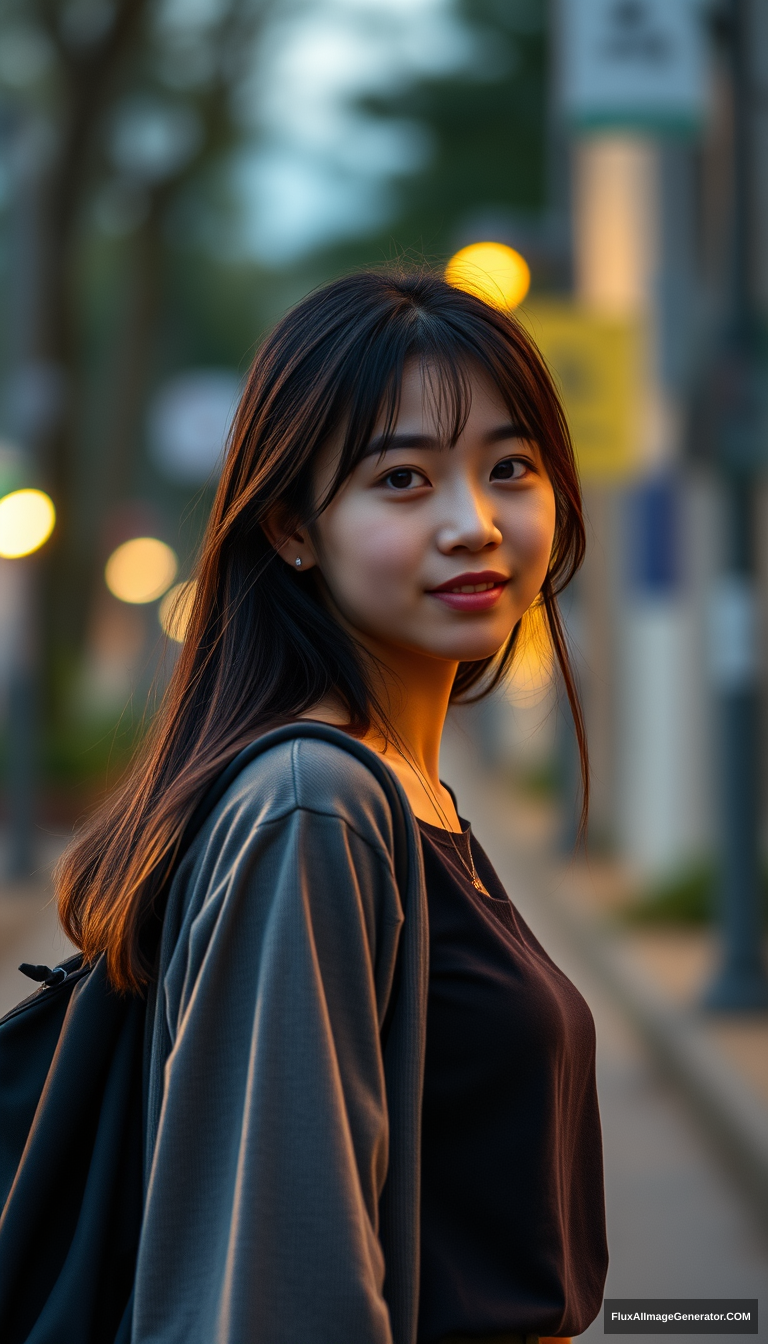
123,115
124,125
487,124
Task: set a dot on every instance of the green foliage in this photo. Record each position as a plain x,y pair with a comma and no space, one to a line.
689,898
487,128
93,757
539,781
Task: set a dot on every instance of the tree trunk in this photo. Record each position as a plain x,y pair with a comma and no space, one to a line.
87,86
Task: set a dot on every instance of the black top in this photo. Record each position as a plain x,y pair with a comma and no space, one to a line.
512,1219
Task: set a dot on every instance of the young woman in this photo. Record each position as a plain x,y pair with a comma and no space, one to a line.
371,1100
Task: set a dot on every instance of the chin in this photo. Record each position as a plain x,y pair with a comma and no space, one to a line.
473,651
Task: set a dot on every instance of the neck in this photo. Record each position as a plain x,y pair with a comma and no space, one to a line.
414,692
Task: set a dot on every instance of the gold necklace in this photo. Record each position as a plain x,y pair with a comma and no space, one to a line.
471,871
469,868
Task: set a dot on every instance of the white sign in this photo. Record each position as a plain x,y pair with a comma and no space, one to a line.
640,64
189,421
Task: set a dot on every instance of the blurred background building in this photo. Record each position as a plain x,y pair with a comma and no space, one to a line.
175,173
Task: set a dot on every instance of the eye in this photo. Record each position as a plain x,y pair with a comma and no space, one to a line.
510,469
404,478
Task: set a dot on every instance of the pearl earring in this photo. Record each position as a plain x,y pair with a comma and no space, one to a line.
297,562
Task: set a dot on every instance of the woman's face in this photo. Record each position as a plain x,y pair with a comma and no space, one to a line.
432,549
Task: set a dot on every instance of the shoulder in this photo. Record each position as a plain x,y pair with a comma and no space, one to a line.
305,815
328,779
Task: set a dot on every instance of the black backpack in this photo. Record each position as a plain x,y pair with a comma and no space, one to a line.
72,1115
70,1159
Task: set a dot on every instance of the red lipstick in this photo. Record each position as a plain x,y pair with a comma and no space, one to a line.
474,591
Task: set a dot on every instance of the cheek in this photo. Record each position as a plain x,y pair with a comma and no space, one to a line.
534,532
367,555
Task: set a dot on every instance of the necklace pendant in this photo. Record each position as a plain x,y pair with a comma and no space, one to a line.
477,884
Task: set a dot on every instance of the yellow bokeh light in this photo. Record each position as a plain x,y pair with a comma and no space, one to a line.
492,271
533,667
27,518
175,610
140,570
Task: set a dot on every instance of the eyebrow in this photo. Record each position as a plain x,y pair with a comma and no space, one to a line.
384,443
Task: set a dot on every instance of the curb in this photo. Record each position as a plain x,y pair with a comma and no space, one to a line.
734,1119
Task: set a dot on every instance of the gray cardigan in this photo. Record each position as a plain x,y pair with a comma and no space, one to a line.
282,1201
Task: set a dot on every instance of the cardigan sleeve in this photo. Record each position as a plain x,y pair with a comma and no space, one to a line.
261,1217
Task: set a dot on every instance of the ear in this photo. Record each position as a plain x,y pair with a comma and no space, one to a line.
293,547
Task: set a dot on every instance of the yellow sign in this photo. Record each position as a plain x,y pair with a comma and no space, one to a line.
597,364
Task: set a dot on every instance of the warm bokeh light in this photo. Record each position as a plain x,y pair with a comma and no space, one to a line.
140,570
175,610
533,667
27,518
492,271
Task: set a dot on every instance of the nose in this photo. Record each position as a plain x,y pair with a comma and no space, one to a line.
469,524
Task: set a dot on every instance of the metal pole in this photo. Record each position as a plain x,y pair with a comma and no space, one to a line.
741,983
22,718
21,733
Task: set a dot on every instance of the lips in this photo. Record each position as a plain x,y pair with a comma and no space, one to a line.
471,592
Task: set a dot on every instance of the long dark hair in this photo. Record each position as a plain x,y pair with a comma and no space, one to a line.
258,653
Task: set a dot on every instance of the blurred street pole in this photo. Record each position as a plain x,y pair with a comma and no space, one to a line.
24,393
21,734
741,982
635,95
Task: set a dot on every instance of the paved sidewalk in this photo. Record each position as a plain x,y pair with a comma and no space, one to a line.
678,962
719,1063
